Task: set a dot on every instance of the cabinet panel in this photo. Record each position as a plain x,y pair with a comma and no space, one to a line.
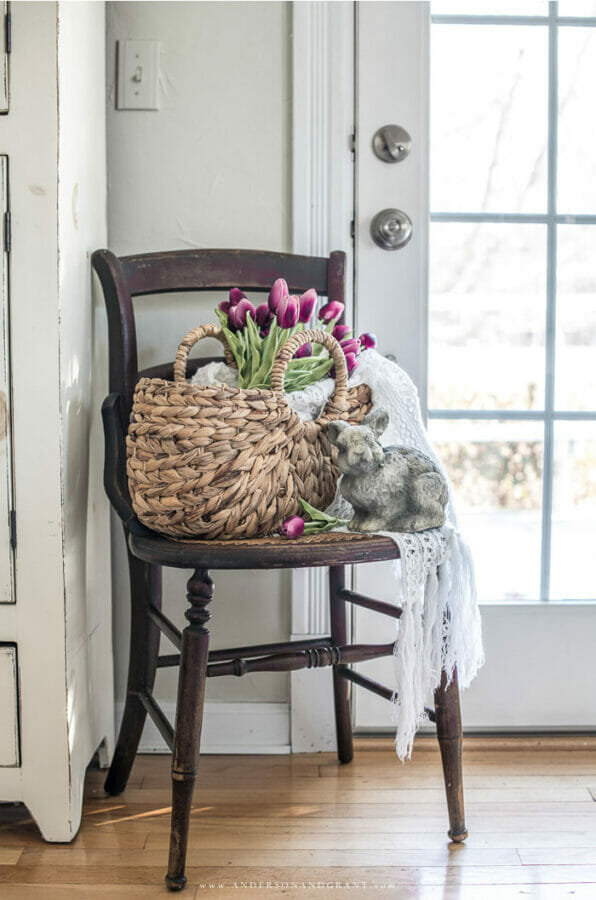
6,553
9,732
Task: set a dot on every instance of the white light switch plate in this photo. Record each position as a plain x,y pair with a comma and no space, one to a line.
138,74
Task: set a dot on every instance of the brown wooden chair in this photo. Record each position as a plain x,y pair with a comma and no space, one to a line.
122,279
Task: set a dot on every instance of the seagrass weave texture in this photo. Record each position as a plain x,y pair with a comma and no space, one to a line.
227,463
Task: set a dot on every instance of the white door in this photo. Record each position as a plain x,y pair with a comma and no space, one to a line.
491,307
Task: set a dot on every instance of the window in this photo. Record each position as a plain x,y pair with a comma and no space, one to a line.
512,328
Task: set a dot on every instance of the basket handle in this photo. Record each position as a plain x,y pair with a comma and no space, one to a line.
337,404
188,342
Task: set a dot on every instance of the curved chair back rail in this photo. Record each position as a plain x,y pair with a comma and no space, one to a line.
124,278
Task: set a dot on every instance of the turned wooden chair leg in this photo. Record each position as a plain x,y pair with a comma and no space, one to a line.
449,733
343,723
189,719
145,588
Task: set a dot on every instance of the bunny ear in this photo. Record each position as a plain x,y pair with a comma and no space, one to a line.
377,421
335,428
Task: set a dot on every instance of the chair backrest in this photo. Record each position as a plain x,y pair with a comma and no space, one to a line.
125,277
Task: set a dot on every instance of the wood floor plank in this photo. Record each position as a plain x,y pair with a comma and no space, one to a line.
239,810
577,855
368,796
9,856
261,838
29,836
491,818
341,892
311,829
97,777
159,825
399,778
93,892
231,875
449,855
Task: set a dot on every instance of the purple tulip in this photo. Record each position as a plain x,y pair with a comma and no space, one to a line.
340,332
307,304
236,295
304,350
225,306
264,315
288,311
351,346
237,315
351,362
368,341
331,310
278,291
293,527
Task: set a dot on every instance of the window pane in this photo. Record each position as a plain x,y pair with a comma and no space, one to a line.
574,512
577,8
486,325
576,317
490,8
577,121
496,472
488,118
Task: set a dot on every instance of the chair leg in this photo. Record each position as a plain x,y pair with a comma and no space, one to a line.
145,587
189,720
449,733
343,723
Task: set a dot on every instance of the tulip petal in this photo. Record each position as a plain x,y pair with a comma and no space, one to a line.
368,341
288,312
340,332
293,527
308,302
278,291
331,310
236,295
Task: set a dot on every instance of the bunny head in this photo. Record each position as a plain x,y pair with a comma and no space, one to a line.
359,451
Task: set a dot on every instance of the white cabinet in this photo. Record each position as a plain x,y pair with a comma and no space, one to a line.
5,35
55,621
9,732
6,505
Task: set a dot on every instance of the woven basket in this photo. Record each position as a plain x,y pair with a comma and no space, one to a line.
227,463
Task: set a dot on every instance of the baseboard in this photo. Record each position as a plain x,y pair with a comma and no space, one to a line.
498,741
228,728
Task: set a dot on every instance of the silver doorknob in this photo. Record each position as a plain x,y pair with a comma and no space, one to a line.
391,229
391,143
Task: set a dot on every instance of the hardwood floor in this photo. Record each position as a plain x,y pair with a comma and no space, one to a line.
310,828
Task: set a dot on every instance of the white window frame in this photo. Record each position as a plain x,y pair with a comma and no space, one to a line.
551,219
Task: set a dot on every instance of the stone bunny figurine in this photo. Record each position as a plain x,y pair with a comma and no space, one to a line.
391,489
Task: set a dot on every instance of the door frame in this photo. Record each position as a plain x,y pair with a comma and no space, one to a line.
323,63
326,136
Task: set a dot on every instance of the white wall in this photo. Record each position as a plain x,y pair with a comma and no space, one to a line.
211,168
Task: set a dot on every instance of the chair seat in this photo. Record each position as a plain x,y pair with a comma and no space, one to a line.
328,549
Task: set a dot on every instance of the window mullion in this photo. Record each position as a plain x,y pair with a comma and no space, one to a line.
551,297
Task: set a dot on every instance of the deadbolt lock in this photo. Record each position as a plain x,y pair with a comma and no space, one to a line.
391,143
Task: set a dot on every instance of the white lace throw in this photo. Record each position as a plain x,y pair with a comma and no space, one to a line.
440,624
